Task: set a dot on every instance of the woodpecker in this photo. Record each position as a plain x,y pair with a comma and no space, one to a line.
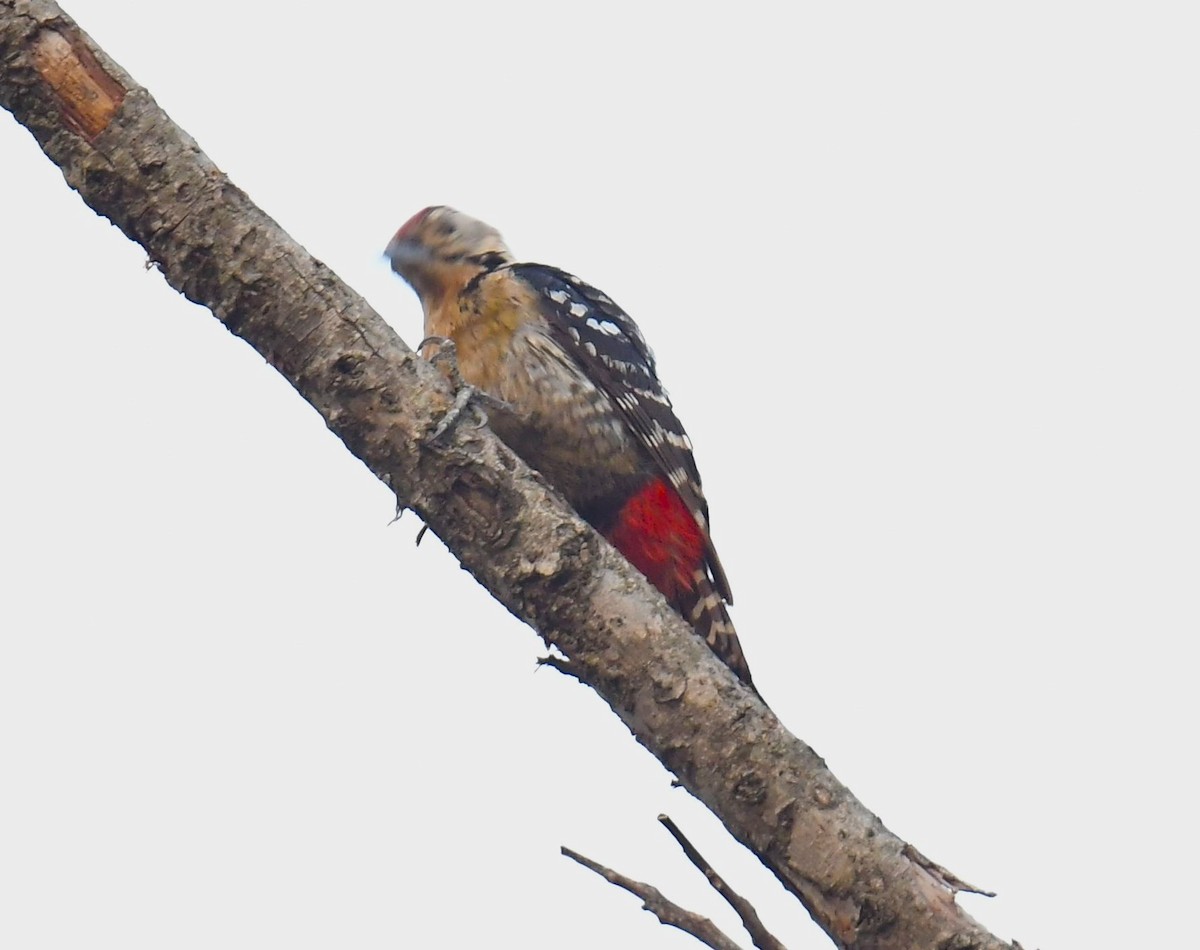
578,398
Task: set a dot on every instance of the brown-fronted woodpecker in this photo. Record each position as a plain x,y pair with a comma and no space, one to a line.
579,400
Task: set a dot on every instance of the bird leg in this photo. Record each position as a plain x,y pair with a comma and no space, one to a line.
465,395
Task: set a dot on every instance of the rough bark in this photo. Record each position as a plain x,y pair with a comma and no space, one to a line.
131,164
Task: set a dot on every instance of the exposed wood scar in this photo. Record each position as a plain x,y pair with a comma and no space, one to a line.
87,95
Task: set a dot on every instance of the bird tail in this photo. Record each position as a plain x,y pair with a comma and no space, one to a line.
705,610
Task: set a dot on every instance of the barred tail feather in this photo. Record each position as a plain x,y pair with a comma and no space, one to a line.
704,609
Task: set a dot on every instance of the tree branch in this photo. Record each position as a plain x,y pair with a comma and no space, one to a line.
131,164
665,910
763,938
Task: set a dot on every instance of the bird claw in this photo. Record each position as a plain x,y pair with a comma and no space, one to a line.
462,399
446,352
465,394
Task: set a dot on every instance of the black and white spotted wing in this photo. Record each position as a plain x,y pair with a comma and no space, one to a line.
608,345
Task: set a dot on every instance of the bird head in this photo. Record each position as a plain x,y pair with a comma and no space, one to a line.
440,248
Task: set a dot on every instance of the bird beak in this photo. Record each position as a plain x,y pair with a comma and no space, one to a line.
404,254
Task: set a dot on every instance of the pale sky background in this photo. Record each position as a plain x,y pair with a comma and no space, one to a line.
921,279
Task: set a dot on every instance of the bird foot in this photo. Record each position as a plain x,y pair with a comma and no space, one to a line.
465,395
